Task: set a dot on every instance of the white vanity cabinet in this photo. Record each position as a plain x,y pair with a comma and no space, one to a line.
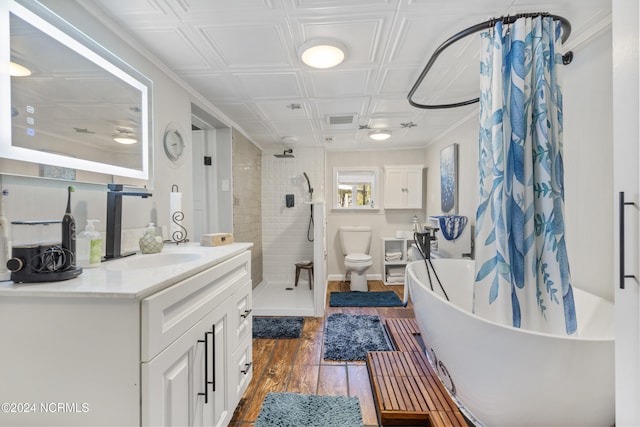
403,187
177,356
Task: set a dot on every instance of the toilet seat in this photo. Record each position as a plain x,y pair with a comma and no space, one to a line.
358,258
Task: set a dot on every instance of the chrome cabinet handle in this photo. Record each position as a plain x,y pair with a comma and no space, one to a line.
623,276
246,313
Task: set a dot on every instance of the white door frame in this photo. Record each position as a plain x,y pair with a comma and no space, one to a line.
626,158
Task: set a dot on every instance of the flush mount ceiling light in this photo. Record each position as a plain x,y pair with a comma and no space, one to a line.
17,70
322,53
124,136
380,134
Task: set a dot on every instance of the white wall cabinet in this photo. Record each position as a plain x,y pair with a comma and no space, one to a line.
178,357
403,187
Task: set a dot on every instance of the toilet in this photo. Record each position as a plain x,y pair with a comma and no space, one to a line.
355,242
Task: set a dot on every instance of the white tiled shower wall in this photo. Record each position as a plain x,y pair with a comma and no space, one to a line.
284,230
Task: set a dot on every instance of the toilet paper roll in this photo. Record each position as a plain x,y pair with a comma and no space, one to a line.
175,205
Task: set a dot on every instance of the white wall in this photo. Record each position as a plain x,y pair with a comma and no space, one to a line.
587,162
383,222
284,230
466,136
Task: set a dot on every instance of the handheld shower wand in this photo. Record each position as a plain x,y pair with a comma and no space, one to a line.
309,185
309,235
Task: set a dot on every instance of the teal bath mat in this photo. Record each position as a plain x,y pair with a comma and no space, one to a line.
306,410
277,327
364,299
350,336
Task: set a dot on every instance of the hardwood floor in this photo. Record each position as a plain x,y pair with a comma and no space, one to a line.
296,365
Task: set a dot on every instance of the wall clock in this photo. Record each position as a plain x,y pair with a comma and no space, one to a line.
173,142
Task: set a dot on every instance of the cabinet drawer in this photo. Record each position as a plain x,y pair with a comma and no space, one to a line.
242,371
241,318
169,313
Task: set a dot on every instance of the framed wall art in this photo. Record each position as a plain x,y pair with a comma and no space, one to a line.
449,179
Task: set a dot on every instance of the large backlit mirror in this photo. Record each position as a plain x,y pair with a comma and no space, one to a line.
70,104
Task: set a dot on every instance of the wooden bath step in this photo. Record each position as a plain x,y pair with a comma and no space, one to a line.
405,388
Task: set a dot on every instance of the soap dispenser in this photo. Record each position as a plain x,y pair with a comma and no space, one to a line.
150,242
89,246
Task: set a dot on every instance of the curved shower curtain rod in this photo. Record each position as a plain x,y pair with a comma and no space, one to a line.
566,58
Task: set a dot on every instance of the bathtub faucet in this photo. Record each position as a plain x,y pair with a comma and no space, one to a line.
423,241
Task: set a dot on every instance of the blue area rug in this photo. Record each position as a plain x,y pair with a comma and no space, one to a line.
277,327
351,336
364,299
305,410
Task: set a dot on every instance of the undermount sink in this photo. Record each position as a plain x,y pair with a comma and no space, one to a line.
163,259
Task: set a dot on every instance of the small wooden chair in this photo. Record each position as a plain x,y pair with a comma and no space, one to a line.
305,266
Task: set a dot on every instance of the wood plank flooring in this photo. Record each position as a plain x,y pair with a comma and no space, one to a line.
296,365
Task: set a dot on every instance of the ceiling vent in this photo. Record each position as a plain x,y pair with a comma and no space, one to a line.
342,121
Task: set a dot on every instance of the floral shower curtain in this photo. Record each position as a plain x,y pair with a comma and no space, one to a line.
522,270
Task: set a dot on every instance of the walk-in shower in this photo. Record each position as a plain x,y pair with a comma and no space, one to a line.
292,233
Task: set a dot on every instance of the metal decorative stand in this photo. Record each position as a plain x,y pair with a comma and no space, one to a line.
423,242
178,235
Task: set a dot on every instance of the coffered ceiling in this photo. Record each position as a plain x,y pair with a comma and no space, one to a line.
242,56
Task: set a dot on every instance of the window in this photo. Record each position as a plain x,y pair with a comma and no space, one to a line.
355,188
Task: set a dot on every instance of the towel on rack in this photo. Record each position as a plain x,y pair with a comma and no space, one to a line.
393,256
452,226
395,279
395,271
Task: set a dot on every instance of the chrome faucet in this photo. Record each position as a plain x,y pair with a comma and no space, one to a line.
114,219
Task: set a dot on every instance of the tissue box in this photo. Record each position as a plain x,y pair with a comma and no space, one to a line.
216,239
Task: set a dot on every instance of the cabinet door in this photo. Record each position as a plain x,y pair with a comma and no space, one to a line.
173,381
218,409
395,191
414,188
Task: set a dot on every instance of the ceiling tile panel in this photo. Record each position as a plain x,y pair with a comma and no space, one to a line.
249,45
215,86
352,105
332,84
284,110
397,81
293,127
271,85
200,7
174,47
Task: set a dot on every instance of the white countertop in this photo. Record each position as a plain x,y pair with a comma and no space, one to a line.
111,281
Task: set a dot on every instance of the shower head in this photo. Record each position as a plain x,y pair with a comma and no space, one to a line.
287,154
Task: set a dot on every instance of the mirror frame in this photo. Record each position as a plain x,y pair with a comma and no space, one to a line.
65,33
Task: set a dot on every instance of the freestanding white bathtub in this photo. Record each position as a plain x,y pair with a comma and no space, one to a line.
504,376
